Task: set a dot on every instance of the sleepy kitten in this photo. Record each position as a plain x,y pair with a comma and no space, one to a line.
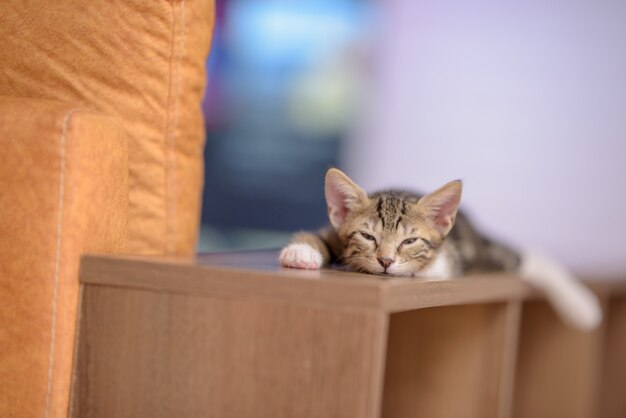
404,234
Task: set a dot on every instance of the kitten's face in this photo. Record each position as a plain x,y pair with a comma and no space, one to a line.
388,235
389,232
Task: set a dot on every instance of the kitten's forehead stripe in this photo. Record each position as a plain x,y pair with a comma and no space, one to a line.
402,213
390,211
380,210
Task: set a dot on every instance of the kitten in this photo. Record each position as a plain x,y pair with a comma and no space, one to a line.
405,234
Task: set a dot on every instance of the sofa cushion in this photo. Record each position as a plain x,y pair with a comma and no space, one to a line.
141,61
63,192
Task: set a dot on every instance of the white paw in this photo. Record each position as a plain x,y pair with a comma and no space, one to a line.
300,256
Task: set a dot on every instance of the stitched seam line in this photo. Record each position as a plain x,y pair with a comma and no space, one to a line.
166,138
57,263
171,224
79,315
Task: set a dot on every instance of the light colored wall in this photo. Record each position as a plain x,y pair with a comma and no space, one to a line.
526,103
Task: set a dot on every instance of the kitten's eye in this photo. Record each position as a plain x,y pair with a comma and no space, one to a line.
368,237
409,241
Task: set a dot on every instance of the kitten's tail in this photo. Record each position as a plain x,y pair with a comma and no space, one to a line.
575,304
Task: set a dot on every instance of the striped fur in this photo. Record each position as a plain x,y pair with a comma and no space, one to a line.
399,227
406,234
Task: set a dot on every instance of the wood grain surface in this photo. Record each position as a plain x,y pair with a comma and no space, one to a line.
558,368
234,335
613,393
328,287
155,354
436,355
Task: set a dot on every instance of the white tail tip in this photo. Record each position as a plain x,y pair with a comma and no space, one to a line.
575,304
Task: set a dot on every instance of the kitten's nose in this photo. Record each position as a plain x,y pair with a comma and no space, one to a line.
385,261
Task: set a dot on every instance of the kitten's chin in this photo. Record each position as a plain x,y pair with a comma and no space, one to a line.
391,272
398,273
376,269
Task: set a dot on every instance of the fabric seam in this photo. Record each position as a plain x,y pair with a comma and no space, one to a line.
171,186
79,315
57,261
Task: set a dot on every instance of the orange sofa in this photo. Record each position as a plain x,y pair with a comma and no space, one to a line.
102,137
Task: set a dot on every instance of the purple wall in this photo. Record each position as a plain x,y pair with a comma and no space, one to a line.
525,102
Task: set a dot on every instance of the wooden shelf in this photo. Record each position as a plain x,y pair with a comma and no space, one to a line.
257,274
234,335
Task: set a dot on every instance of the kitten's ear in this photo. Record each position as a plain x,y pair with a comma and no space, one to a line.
441,206
342,196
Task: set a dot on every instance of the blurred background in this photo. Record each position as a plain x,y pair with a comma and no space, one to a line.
524,102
